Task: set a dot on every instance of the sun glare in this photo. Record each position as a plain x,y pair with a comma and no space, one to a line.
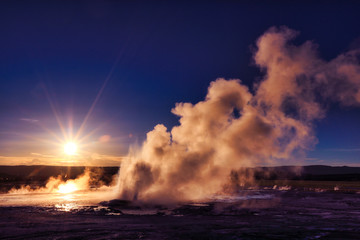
70,148
67,188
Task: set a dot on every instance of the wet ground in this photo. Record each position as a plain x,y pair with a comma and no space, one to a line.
251,214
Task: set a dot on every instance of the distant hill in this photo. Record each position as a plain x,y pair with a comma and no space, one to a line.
313,172
328,170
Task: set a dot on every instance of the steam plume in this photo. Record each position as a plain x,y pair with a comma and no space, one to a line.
234,128
90,178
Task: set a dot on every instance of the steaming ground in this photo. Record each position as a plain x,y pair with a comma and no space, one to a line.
86,189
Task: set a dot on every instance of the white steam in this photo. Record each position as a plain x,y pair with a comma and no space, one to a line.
234,128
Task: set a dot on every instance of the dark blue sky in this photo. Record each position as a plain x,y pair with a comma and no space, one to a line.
158,53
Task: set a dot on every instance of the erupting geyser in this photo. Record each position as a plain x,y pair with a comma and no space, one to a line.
235,128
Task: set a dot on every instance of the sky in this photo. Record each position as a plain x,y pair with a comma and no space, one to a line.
115,69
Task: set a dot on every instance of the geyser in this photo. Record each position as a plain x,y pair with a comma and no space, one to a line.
235,128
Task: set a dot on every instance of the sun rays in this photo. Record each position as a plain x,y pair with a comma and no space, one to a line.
69,133
66,141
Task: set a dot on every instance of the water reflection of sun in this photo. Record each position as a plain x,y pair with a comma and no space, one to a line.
66,207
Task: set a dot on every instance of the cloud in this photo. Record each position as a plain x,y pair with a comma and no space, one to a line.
6,160
105,138
42,155
29,120
96,159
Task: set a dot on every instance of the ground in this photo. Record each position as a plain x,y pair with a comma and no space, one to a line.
252,214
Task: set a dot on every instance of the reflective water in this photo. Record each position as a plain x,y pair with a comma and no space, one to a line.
251,214
76,198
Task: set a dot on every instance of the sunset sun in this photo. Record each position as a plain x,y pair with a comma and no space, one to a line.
70,148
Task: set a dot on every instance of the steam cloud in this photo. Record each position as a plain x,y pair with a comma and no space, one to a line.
235,128
90,178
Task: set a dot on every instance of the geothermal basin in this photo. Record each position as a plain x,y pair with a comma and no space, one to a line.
280,212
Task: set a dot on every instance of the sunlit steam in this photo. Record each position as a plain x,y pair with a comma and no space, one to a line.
233,127
59,185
